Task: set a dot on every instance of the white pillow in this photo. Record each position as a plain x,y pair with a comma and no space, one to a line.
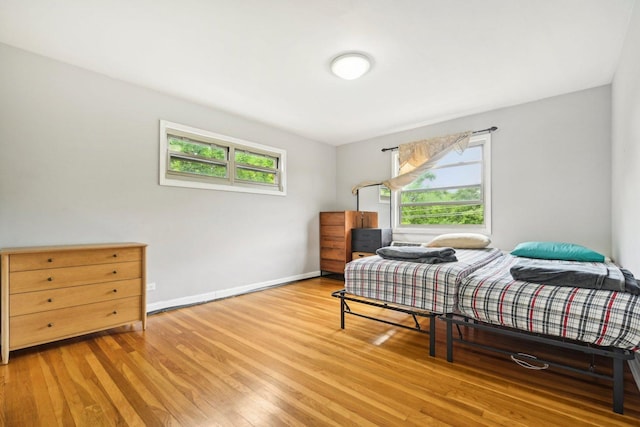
460,241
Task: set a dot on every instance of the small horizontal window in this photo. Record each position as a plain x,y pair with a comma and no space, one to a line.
197,158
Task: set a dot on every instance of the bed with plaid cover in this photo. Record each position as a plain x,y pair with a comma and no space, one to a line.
600,317
429,287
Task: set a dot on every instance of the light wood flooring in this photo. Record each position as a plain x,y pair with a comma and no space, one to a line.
278,357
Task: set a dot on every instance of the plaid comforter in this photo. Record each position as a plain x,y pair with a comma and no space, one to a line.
600,317
429,287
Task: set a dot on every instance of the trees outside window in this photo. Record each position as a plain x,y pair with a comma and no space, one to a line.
197,158
454,194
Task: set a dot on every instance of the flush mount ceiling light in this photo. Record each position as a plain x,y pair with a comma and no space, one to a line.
350,66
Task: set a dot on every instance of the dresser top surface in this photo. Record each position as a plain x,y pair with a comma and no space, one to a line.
59,248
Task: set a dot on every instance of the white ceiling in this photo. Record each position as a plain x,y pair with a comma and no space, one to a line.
268,60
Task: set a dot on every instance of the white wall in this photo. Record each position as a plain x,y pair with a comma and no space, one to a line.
625,197
550,164
79,164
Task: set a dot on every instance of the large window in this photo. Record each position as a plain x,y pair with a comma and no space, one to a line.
197,158
453,195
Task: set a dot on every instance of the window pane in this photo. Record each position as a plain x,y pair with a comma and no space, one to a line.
384,196
449,194
198,168
471,154
442,214
253,159
255,176
198,158
439,196
207,151
449,176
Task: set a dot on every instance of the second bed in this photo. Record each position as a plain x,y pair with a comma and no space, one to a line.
416,289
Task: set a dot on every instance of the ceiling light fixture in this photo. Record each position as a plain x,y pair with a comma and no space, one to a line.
350,66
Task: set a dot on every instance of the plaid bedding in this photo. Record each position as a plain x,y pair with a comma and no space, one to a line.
429,287
600,317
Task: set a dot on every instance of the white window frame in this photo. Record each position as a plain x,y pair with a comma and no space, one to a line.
483,140
174,179
381,198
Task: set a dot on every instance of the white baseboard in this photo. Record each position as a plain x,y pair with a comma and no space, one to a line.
226,293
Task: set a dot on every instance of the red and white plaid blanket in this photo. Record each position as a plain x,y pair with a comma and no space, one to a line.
429,287
600,317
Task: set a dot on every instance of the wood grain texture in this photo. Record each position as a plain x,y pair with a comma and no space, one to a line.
38,328
335,236
53,299
68,258
279,357
57,292
41,280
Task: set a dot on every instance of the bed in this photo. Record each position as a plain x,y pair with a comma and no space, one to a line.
416,289
593,321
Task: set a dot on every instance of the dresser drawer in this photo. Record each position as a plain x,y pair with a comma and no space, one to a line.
56,259
37,328
332,265
54,299
336,254
38,280
333,242
334,231
332,218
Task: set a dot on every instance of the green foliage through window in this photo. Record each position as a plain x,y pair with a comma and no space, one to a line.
450,194
210,160
191,157
207,151
256,176
198,168
198,158
254,167
253,159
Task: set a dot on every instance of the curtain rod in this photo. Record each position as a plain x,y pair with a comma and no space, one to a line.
475,132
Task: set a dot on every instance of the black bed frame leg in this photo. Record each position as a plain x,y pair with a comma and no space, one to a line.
449,338
618,385
432,336
342,304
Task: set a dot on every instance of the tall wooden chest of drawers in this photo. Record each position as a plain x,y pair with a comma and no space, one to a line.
335,236
56,292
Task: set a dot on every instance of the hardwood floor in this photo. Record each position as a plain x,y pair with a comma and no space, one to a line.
279,357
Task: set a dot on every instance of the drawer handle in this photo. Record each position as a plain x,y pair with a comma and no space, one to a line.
115,272
50,300
50,260
115,312
115,290
50,325
50,279
115,255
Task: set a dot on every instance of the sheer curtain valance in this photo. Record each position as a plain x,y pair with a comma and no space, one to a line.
417,157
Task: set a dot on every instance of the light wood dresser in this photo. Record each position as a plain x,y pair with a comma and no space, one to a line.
56,292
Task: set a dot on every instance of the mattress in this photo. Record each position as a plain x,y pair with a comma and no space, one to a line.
600,317
428,287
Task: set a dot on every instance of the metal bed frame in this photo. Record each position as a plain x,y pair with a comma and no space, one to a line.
617,355
346,309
